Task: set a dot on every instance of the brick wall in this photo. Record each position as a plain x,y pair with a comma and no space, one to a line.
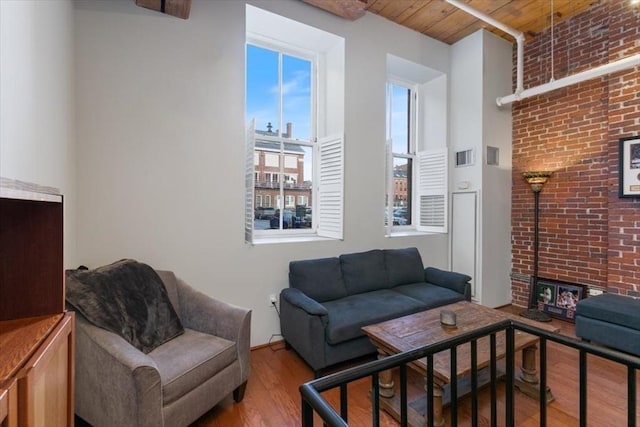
587,234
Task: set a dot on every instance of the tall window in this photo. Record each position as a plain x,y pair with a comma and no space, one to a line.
293,72
416,186
280,97
401,122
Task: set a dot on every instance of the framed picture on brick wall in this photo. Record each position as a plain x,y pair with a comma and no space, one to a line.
558,298
629,181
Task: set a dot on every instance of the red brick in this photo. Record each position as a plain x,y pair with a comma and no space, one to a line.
587,234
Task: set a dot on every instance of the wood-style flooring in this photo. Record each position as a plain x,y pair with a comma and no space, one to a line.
272,397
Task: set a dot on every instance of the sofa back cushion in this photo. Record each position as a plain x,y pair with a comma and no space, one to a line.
320,279
403,266
364,271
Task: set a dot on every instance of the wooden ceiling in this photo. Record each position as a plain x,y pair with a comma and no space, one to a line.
444,22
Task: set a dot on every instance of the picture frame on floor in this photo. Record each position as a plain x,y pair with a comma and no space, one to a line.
558,298
629,167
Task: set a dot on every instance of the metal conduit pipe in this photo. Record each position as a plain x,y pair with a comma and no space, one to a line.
520,93
518,35
612,67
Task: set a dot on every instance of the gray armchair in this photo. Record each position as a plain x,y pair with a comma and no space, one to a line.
175,383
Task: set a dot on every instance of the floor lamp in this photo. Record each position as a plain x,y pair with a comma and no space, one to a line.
536,180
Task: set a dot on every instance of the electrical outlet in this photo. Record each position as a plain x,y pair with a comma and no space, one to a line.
273,299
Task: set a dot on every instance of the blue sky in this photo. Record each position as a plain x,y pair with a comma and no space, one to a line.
262,91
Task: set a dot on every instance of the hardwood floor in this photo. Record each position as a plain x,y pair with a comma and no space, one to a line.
272,397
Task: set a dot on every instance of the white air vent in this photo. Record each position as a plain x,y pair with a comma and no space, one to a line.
493,156
464,158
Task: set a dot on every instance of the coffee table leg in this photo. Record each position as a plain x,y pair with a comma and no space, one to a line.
528,382
529,372
385,380
438,395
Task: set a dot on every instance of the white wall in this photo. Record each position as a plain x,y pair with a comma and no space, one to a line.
37,124
160,110
497,181
481,70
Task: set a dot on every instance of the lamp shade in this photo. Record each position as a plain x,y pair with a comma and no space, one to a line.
536,179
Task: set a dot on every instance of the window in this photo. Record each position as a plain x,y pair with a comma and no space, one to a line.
400,134
290,202
287,84
416,149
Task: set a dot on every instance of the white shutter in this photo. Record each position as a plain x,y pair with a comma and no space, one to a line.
249,181
330,198
389,170
432,190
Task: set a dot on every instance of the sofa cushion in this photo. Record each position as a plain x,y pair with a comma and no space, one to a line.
319,279
181,371
609,334
364,271
611,308
403,266
430,295
348,315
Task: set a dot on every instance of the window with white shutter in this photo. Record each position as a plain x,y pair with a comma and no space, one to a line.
294,93
416,153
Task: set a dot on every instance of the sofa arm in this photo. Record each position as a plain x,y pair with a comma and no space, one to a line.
116,384
211,316
302,324
449,279
297,298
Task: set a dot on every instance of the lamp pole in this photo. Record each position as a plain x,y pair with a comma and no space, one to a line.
536,180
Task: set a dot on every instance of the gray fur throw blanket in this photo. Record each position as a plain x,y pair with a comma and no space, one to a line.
127,298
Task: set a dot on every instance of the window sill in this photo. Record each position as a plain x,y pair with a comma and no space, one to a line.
409,233
290,239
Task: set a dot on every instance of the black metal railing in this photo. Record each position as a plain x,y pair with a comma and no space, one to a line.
313,402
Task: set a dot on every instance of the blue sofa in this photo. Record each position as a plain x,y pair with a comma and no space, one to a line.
611,320
329,300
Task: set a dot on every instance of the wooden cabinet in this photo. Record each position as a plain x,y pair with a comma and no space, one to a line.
36,334
9,404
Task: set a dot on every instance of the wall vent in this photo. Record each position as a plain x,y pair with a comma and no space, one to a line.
464,158
493,156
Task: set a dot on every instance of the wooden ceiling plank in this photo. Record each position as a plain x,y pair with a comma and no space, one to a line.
528,16
426,16
411,10
442,21
375,6
348,9
447,28
510,13
543,21
394,9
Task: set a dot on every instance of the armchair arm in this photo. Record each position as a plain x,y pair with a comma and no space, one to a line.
116,384
298,299
449,279
211,316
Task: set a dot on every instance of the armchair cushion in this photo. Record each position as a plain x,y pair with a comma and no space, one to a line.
182,371
127,298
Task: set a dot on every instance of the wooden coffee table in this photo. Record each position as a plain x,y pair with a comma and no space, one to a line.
424,328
